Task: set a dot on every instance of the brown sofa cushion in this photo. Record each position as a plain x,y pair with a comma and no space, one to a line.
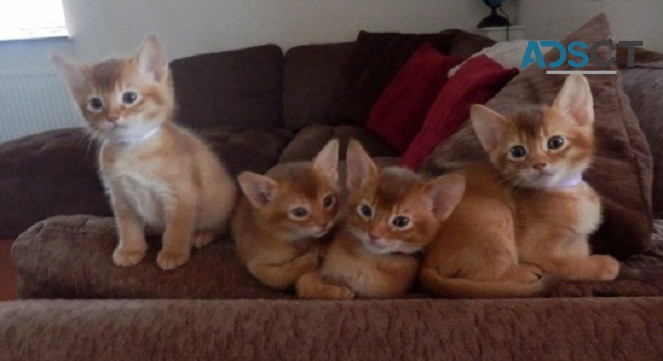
644,86
376,59
310,73
310,140
622,170
70,257
46,174
55,173
239,88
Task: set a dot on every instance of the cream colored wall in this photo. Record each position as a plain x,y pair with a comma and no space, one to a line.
101,28
629,19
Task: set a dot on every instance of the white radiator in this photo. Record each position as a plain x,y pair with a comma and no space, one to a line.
34,101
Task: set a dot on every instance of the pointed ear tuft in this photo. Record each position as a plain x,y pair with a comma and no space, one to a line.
69,71
360,167
326,161
257,188
488,125
152,59
575,100
445,193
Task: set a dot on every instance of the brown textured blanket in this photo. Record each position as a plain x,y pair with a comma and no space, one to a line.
69,257
535,329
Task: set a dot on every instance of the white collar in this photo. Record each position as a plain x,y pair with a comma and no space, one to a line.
571,182
143,137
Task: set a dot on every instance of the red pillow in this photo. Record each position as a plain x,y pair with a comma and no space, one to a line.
477,81
402,107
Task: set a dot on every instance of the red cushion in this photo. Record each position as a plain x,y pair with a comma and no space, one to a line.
402,107
478,80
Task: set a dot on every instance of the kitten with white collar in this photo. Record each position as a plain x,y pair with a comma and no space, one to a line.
157,173
527,213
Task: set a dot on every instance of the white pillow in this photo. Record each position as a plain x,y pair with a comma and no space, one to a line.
509,54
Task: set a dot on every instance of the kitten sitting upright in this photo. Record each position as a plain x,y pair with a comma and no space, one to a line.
531,205
156,173
390,216
282,214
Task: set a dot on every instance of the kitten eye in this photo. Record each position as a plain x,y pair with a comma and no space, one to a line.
299,212
95,104
328,201
555,142
129,97
365,211
517,151
400,222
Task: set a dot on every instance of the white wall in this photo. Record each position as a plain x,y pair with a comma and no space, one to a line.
629,19
103,28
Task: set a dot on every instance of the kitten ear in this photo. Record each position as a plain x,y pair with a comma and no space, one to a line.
445,192
327,161
489,126
257,188
575,100
152,59
360,167
70,72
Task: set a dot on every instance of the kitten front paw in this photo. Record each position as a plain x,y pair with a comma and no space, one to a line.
202,239
341,293
127,257
171,260
607,268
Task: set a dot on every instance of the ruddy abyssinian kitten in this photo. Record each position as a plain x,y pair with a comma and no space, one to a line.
528,213
390,216
282,216
156,173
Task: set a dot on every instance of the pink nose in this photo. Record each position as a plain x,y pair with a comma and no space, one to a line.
539,166
113,119
373,237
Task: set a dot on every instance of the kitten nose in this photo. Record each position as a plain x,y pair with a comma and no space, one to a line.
373,237
113,118
539,166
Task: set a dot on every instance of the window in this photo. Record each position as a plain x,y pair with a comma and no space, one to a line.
30,19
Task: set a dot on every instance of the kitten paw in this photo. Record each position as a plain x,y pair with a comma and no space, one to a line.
202,239
127,257
171,260
342,293
608,268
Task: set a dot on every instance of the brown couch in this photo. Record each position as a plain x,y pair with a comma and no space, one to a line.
257,107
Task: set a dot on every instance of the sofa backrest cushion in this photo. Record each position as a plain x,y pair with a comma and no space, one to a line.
377,58
238,88
644,86
310,75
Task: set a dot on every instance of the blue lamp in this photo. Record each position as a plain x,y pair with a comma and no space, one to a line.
494,19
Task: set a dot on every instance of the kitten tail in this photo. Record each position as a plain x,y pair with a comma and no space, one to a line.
465,288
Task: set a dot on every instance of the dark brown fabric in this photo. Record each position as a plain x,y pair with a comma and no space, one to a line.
376,59
622,169
70,257
626,329
55,173
8,272
310,140
310,73
240,88
46,174
644,86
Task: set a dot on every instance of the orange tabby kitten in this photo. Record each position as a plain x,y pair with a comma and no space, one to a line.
391,214
531,205
282,214
156,173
